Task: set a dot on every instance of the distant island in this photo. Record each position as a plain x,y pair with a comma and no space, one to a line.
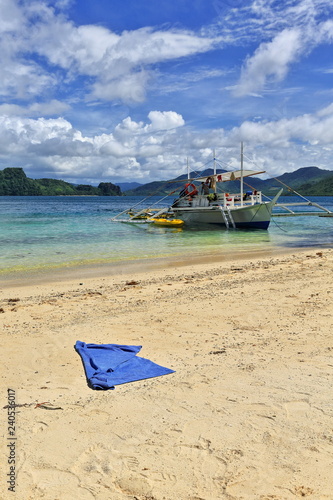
14,182
308,181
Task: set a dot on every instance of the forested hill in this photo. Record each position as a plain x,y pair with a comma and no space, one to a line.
306,180
14,182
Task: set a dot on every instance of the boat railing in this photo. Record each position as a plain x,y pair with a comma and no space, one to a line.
232,200
225,199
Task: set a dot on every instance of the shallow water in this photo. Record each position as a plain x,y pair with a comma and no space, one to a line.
55,232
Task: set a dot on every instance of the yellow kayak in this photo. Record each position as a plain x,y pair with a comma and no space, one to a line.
168,222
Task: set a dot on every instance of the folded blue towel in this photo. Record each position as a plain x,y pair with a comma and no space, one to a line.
107,365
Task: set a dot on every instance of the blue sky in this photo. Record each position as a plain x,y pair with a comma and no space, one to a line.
101,90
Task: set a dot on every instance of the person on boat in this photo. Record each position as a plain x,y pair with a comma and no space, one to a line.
204,188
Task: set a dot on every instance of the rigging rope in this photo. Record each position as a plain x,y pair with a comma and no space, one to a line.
283,183
147,198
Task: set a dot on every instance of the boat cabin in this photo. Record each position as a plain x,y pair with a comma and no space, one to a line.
218,199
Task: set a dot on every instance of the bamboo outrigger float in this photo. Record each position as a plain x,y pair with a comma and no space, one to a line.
291,213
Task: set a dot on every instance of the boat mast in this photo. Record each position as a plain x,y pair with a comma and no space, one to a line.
214,163
242,168
188,169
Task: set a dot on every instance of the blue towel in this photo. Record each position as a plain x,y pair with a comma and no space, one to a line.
107,365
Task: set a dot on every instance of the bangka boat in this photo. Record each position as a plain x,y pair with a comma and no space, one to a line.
191,208
240,210
245,209
200,204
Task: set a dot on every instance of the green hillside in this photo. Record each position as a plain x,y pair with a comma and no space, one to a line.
321,188
306,180
14,182
299,178
53,187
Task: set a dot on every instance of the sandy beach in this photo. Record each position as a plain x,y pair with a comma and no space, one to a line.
246,415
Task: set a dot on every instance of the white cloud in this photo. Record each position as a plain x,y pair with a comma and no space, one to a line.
139,139
153,150
263,19
23,80
283,31
323,32
172,83
165,120
159,121
115,66
44,56
130,87
54,142
123,65
11,16
53,107
327,111
271,60
312,129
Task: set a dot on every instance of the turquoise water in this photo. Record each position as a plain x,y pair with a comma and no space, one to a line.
53,232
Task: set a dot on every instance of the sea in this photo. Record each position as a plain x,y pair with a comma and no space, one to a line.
48,233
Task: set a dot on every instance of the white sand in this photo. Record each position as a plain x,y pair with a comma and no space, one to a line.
247,415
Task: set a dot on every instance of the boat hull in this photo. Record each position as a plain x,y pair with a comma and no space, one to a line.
252,217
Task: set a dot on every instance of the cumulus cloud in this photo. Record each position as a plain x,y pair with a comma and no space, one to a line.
115,66
283,32
153,150
142,139
159,121
45,57
271,60
165,120
312,129
22,80
56,139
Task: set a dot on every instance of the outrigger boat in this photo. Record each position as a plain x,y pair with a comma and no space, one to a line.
240,210
204,205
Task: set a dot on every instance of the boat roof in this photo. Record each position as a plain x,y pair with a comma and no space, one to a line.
230,176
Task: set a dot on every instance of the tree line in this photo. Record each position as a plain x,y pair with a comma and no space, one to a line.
14,182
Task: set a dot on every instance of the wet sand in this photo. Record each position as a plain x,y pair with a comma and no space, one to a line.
246,415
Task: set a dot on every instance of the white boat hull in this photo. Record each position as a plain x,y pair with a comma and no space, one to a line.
256,216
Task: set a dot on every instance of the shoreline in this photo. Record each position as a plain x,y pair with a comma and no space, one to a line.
90,271
246,414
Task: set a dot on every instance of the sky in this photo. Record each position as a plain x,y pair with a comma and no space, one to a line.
130,90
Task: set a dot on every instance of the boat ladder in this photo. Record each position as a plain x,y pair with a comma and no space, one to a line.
227,217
